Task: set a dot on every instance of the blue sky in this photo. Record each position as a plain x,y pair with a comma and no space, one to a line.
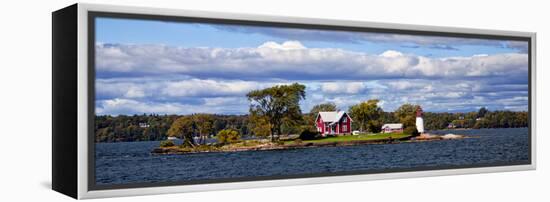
146,66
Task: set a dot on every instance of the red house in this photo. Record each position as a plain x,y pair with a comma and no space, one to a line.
333,123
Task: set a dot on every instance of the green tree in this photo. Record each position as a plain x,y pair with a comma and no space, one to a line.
259,125
204,125
325,107
411,131
308,123
183,128
228,136
277,103
406,114
374,126
291,125
367,115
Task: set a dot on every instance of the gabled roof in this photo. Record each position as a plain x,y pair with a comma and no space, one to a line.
332,117
393,126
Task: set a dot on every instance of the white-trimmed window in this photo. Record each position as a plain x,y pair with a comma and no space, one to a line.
345,120
344,127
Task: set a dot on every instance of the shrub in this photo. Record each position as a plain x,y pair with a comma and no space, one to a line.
309,135
167,143
411,130
228,136
298,141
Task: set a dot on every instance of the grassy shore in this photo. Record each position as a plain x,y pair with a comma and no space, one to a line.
363,137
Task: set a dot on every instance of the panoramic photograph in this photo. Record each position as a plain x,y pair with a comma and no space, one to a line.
185,102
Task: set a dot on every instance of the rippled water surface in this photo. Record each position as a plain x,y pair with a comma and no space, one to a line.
131,162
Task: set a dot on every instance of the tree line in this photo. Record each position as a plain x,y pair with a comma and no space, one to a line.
155,127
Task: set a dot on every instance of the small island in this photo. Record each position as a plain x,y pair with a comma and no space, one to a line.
168,147
291,143
276,109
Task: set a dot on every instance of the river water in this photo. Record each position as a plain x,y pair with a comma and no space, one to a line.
131,162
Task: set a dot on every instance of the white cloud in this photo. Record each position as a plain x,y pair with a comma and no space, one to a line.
287,45
128,106
391,54
343,87
176,80
176,88
291,60
226,101
198,87
124,88
404,84
134,93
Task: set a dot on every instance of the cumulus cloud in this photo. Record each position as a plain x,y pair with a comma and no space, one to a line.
391,54
287,45
343,87
447,95
292,60
128,106
198,87
156,87
134,79
118,106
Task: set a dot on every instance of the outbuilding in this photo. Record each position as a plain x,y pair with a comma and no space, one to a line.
392,128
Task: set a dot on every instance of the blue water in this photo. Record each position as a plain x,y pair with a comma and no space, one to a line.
131,162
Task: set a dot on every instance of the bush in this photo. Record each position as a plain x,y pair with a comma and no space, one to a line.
411,130
228,136
309,135
167,143
298,141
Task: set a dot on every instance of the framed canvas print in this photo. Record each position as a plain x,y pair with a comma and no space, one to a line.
149,101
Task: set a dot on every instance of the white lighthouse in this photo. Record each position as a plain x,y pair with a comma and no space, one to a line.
419,120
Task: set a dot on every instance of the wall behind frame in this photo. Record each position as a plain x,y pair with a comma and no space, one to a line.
25,83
